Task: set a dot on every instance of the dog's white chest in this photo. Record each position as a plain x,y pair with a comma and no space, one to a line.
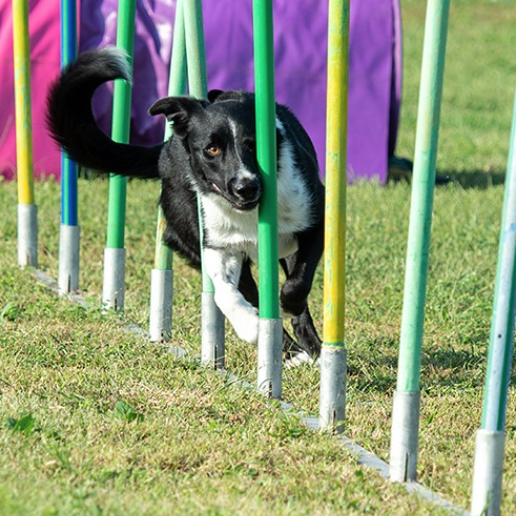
227,227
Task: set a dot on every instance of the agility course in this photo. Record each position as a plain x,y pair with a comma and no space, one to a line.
363,363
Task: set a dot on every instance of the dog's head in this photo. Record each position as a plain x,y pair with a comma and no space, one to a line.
219,136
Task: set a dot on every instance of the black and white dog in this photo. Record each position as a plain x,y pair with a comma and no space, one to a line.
211,154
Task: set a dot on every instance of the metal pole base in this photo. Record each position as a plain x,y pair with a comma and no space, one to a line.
487,473
270,357
69,251
113,284
212,333
404,436
27,235
160,319
332,404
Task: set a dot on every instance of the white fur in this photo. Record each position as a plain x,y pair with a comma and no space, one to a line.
300,358
119,59
224,267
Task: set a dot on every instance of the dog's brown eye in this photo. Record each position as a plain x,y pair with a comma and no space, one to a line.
213,150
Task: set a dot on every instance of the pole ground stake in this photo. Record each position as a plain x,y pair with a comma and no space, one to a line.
69,251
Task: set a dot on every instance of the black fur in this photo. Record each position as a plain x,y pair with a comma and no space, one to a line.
211,154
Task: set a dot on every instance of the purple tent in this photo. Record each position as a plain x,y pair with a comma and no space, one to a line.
300,52
44,40
300,37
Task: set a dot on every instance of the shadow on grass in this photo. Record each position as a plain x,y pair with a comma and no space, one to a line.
447,368
454,368
479,179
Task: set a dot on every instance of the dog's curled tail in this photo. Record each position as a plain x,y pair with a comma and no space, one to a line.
71,122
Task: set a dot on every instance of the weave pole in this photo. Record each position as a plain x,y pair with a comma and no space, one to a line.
212,330
490,439
113,287
69,233
332,406
27,209
162,276
405,416
270,336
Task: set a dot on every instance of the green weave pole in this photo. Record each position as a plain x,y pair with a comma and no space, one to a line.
270,335
212,329
176,86
162,276
405,418
266,155
113,286
121,125
197,81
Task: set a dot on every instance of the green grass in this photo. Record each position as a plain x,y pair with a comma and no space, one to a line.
94,420
478,89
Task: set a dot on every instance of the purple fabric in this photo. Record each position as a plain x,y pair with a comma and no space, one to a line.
152,49
300,33
153,42
370,82
44,32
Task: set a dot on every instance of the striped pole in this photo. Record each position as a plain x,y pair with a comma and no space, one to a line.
212,331
69,234
332,406
113,288
162,276
490,440
27,209
270,336
405,417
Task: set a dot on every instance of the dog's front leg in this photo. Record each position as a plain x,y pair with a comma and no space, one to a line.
224,268
301,268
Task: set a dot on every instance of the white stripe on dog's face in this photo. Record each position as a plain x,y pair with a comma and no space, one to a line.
226,226
242,171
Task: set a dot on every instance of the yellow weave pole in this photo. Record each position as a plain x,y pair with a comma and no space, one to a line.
27,210
333,354
23,101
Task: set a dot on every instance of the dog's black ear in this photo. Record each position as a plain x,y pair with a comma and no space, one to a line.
213,95
221,95
178,110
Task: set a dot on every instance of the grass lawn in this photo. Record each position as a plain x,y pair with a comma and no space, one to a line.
94,420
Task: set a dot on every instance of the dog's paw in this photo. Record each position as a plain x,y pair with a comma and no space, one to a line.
246,325
298,359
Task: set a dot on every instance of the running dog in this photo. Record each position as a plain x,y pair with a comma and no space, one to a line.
211,157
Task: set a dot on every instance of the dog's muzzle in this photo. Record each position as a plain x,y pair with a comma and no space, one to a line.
245,192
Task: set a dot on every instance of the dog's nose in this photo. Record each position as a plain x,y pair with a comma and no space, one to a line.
247,189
